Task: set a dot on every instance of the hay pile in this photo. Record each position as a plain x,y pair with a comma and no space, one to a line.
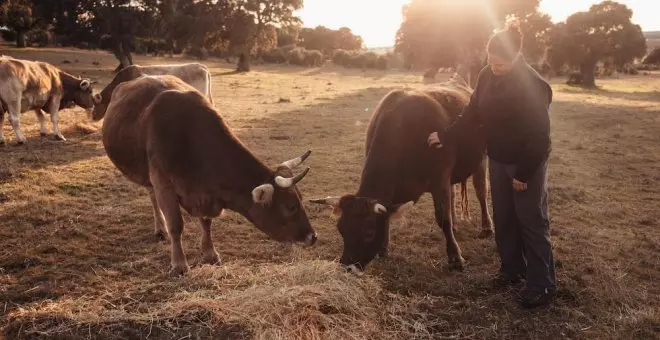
306,300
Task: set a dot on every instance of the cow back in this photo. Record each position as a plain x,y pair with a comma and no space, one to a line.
398,161
124,129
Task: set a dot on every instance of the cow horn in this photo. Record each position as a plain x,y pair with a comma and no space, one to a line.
85,84
283,182
292,163
333,201
380,209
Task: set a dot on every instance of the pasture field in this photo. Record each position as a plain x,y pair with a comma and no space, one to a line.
78,259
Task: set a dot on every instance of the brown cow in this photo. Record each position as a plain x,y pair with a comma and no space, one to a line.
400,167
163,134
30,85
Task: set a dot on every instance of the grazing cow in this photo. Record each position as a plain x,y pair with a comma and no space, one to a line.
31,85
400,167
163,134
194,74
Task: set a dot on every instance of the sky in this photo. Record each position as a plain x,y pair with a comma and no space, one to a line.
378,30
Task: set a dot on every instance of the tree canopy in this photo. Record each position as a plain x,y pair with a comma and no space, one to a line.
605,31
446,33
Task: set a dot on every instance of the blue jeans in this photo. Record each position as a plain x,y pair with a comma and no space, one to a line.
522,226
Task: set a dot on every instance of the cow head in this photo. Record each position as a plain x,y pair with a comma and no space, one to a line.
83,95
102,99
363,223
276,207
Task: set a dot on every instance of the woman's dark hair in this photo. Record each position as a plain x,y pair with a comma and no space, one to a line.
506,43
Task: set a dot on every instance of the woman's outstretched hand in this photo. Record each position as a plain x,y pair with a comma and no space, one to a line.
519,186
434,140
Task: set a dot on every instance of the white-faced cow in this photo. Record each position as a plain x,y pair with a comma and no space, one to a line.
31,85
400,167
163,134
194,74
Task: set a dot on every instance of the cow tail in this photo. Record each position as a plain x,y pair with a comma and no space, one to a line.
465,211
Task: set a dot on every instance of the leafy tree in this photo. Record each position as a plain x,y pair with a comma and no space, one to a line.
605,31
535,28
327,40
268,12
447,33
18,16
288,35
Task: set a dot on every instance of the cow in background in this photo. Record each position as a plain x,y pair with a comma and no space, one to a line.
32,85
194,74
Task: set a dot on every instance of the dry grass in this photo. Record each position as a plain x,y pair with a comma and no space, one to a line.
77,258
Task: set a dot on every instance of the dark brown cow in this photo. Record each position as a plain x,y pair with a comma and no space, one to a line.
400,167
30,85
164,135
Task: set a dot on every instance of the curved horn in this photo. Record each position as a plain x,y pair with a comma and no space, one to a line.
283,182
379,208
333,201
292,163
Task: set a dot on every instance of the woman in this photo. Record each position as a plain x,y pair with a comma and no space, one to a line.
511,102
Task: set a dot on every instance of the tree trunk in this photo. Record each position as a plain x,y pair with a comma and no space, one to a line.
588,72
20,39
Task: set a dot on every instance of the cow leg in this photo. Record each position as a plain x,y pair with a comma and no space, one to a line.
209,255
169,207
14,117
42,122
441,199
54,117
56,129
2,125
453,205
386,242
159,220
481,188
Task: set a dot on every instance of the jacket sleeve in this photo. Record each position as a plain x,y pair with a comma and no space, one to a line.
536,130
468,117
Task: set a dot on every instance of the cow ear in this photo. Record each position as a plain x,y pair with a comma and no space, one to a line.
263,194
400,210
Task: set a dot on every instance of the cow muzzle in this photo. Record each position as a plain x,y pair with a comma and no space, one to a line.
353,269
309,240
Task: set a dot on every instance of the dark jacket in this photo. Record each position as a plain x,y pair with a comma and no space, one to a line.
513,109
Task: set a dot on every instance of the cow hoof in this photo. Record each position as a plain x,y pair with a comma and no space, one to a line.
43,134
179,270
457,264
59,137
485,233
2,142
212,259
19,143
